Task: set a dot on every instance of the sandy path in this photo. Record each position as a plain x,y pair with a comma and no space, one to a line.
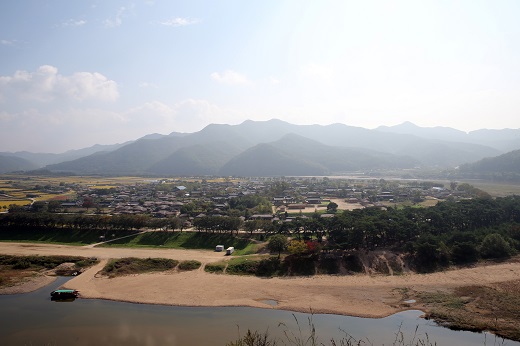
359,295
102,252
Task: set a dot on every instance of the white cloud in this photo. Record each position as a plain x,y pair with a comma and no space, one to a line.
230,77
117,20
148,85
45,85
178,21
73,22
7,42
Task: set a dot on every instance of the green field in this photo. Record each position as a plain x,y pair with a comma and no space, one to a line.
186,240
58,236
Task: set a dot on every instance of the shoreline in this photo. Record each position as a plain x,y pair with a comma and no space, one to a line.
357,295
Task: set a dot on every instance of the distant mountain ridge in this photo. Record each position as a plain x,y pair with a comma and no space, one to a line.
275,147
503,140
13,164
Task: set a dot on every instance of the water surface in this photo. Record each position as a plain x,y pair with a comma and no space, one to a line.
33,319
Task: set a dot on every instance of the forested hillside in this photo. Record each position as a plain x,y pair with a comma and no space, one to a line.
504,167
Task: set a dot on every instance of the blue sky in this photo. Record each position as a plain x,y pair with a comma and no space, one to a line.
77,73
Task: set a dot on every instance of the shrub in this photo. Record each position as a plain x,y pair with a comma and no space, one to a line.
353,263
22,264
268,267
328,265
130,265
215,267
462,253
243,268
297,247
189,265
299,265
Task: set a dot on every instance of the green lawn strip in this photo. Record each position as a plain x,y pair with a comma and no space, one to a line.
58,236
185,240
132,265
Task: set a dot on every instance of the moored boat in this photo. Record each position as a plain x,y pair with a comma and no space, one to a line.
64,294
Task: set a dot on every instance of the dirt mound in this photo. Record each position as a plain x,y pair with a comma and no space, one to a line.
65,269
375,262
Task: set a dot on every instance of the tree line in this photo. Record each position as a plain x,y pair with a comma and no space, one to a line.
450,232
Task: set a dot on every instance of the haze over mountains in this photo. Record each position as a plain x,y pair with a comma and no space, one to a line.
274,148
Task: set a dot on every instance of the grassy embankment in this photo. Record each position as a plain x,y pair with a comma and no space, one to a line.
171,240
477,308
14,269
187,240
59,236
131,265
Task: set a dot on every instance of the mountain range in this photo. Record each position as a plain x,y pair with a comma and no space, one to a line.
275,148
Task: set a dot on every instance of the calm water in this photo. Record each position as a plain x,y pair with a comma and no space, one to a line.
33,319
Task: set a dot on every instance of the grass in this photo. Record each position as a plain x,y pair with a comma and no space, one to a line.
131,265
266,266
56,236
189,265
217,267
15,269
7,203
186,240
478,308
497,189
307,336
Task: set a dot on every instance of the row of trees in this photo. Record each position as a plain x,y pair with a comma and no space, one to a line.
71,221
456,232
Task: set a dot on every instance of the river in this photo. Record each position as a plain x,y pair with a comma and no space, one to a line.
33,319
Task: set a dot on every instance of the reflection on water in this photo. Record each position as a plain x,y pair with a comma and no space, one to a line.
31,319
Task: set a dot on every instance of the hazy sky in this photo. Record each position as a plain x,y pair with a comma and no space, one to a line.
77,73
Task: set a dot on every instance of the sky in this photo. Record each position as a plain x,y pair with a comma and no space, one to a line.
78,73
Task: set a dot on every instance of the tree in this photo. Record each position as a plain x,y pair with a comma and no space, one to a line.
495,246
277,243
297,247
332,207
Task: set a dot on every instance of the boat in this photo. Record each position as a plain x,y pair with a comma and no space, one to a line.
64,294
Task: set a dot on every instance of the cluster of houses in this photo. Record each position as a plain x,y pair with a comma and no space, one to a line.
171,197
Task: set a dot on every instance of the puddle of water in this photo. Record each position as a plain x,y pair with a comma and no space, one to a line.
270,302
411,301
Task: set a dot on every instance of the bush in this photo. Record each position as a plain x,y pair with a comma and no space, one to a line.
215,267
353,263
243,268
130,265
462,253
22,264
495,246
328,265
189,265
298,265
268,267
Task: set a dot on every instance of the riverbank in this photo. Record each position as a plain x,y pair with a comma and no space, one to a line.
355,295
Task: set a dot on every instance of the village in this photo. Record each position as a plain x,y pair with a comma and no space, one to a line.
274,198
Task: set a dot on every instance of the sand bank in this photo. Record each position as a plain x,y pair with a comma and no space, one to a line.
357,295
